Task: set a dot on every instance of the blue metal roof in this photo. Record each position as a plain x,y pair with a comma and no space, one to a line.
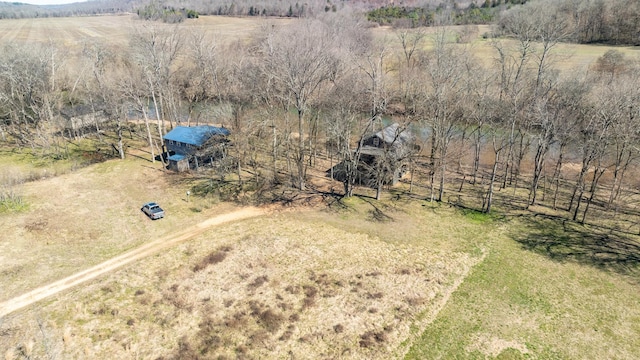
195,135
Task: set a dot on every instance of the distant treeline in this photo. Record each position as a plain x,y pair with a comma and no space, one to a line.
586,21
18,10
168,14
169,10
404,16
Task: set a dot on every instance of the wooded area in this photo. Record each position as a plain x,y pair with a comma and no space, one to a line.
316,88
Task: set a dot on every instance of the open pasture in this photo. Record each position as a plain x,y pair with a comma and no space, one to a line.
72,32
117,30
359,279
334,283
564,57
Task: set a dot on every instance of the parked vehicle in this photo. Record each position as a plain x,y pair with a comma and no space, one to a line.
153,210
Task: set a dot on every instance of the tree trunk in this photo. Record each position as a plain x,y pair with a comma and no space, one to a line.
623,159
538,165
120,143
597,173
146,123
578,188
491,182
300,158
275,151
412,169
556,176
476,157
443,169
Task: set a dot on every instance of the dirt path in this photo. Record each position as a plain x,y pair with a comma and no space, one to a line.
40,293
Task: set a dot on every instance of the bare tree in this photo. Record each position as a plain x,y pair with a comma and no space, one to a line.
27,101
622,102
594,137
102,87
495,128
299,60
480,108
156,50
550,29
517,84
132,89
444,92
554,120
198,80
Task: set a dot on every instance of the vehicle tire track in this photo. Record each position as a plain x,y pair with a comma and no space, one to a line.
33,296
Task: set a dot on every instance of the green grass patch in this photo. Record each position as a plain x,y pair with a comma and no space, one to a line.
35,164
10,202
478,217
521,302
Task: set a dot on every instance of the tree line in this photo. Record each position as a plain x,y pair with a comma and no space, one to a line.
216,7
300,95
426,14
587,21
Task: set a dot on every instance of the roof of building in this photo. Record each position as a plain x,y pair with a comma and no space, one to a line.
371,150
81,110
195,135
393,133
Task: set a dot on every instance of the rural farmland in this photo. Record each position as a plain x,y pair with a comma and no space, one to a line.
266,253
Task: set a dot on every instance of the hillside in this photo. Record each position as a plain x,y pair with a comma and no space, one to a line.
353,280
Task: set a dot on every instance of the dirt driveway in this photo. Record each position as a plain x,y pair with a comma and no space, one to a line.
42,292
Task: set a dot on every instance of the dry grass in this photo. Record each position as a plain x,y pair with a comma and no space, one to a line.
317,284
82,218
73,32
284,286
565,56
116,30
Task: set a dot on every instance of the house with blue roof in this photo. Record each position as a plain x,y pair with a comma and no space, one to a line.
189,146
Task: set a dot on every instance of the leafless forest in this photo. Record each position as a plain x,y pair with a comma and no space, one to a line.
315,88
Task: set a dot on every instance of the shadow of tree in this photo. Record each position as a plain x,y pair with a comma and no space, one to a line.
564,240
377,213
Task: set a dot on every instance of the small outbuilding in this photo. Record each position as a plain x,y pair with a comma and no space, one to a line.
383,153
189,146
77,120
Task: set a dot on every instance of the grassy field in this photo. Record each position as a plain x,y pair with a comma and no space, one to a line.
565,57
521,304
73,32
358,279
81,218
266,287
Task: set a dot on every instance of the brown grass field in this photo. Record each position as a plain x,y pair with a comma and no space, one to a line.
310,284
73,32
360,279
